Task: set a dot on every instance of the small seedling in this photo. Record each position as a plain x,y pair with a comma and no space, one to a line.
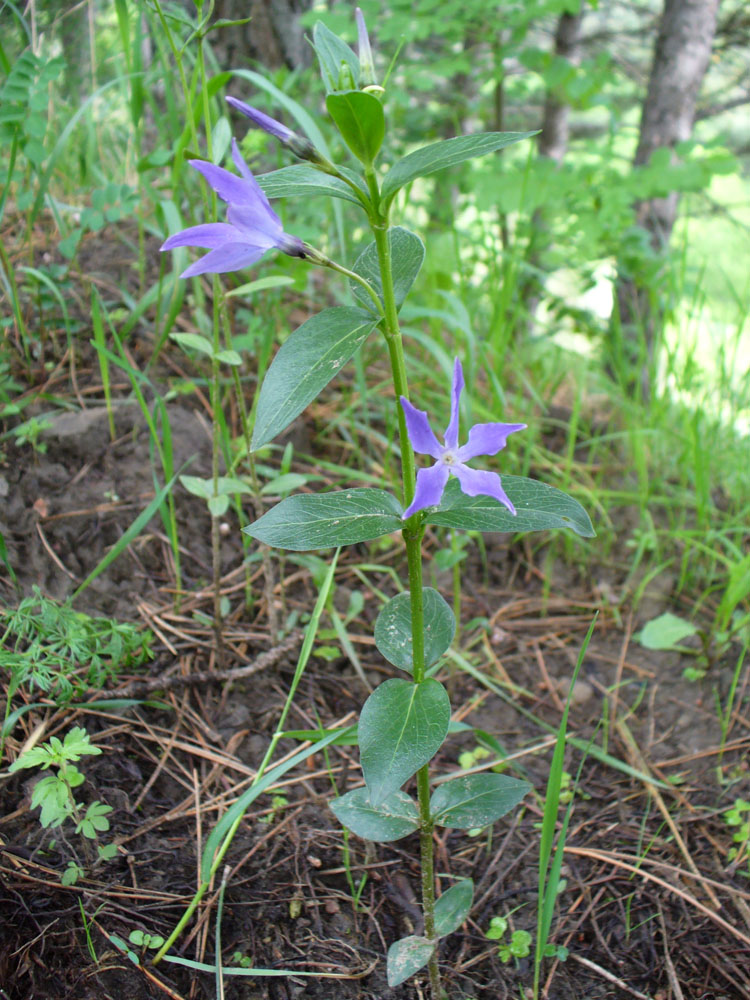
278,805
470,758
568,789
30,432
558,951
143,940
519,945
72,873
54,794
668,631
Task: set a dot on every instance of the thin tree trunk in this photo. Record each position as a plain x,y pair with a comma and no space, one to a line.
553,144
553,141
680,61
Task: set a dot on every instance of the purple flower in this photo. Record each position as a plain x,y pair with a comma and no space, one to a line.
253,226
484,439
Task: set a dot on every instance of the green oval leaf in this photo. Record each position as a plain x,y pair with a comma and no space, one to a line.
204,487
301,180
360,119
220,139
538,507
401,727
665,632
394,818
305,363
218,505
407,956
323,520
407,255
195,341
453,907
260,284
476,800
198,486
284,483
447,153
393,629
229,357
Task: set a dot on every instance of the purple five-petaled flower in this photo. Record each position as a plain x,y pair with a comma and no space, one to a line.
252,229
484,439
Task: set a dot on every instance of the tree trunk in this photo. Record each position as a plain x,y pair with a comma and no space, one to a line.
273,35
681,57
553,144
553,141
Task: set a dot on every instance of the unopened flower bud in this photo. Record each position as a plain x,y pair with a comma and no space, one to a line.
366,65
299,145
262,120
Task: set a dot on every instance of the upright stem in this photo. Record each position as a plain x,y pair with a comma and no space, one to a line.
413,537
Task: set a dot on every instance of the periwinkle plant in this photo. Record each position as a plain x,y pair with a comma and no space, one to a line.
405,720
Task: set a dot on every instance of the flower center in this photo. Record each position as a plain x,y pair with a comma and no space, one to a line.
448,458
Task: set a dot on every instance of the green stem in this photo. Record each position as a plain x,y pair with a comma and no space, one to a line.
315,257
414,561
456,584
427,865
412,532
202,889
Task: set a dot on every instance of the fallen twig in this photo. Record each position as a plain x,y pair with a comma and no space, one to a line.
268,659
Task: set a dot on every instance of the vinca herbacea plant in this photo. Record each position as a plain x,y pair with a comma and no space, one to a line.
405,720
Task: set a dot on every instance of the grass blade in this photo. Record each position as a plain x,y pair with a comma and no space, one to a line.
132,532
549,879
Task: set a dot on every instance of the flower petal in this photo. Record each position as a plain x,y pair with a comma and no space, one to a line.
479,482
264,228
451,434
227,185
430,485
486,439
421,434
210,235
259,198
230,257
262,120
254,226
